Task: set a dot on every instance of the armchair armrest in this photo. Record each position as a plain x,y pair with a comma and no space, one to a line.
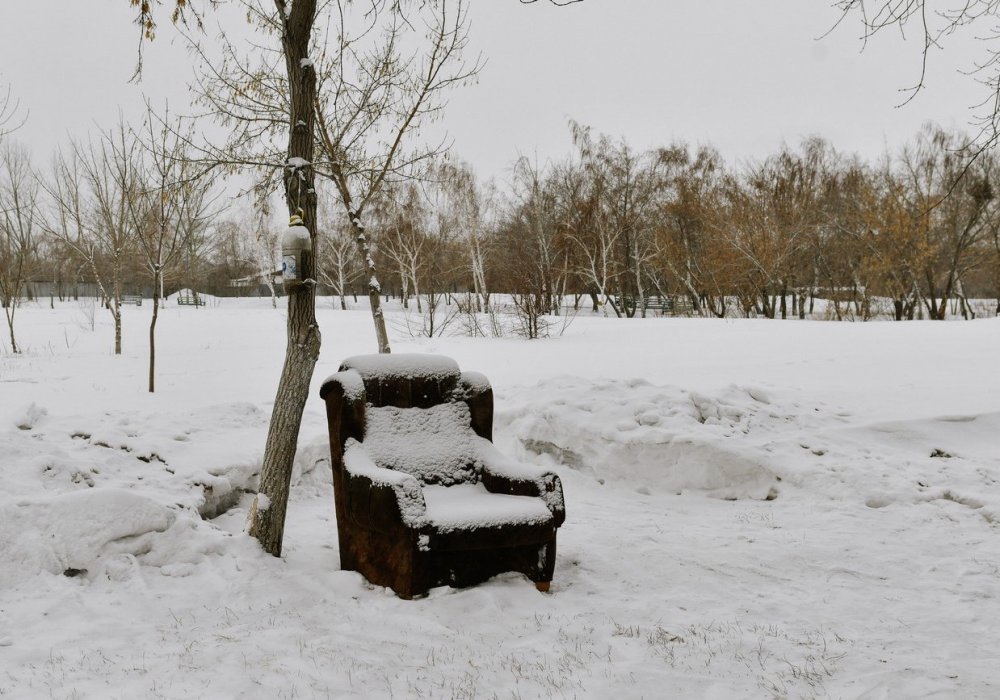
344,394
500,474
378,497
478,394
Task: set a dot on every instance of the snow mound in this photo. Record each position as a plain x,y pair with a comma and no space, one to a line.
202,460
653,439
747,442
69,533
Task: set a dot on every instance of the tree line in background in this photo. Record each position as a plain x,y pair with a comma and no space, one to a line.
915,234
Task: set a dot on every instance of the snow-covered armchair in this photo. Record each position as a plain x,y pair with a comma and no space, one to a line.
423,498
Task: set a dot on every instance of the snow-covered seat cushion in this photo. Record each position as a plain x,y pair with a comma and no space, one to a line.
469,506
467,516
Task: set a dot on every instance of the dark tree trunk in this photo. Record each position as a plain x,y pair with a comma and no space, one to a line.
267,515
157,277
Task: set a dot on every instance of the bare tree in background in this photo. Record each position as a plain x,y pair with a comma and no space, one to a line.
19,237
168,208
766,217
338,268
90,190
534,247
465,205
247,250
475,205
402,237
953,188
681,239
263,252
373,94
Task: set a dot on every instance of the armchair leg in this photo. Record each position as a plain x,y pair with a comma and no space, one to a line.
542,586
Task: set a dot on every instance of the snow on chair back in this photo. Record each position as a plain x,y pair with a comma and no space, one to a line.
405,380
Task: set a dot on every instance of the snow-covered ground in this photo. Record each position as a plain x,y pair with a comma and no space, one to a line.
755,509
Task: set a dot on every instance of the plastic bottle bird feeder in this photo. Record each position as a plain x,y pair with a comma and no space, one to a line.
296,245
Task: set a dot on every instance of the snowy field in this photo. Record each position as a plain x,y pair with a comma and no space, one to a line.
755,509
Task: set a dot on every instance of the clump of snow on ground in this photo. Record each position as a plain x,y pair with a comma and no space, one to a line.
70,533
30,417
755,509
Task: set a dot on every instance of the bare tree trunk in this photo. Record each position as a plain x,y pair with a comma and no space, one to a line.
374,288
116,312
267,515
270,288
478,276
404,284
341,282
9,310
157,283
416,284
688,279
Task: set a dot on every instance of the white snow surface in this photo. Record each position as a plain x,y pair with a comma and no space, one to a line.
466,506
434,445
422,365
873,571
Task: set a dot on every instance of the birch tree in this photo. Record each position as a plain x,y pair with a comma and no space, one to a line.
350,93
403,237
338,268
466,205
90,195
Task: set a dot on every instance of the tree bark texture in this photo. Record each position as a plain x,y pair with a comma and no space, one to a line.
267,515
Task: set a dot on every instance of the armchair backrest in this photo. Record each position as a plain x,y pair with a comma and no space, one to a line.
405,380
414,413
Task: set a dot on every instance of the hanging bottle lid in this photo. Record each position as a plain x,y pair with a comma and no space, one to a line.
296,237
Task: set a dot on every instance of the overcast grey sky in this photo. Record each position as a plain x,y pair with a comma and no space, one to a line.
744,76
